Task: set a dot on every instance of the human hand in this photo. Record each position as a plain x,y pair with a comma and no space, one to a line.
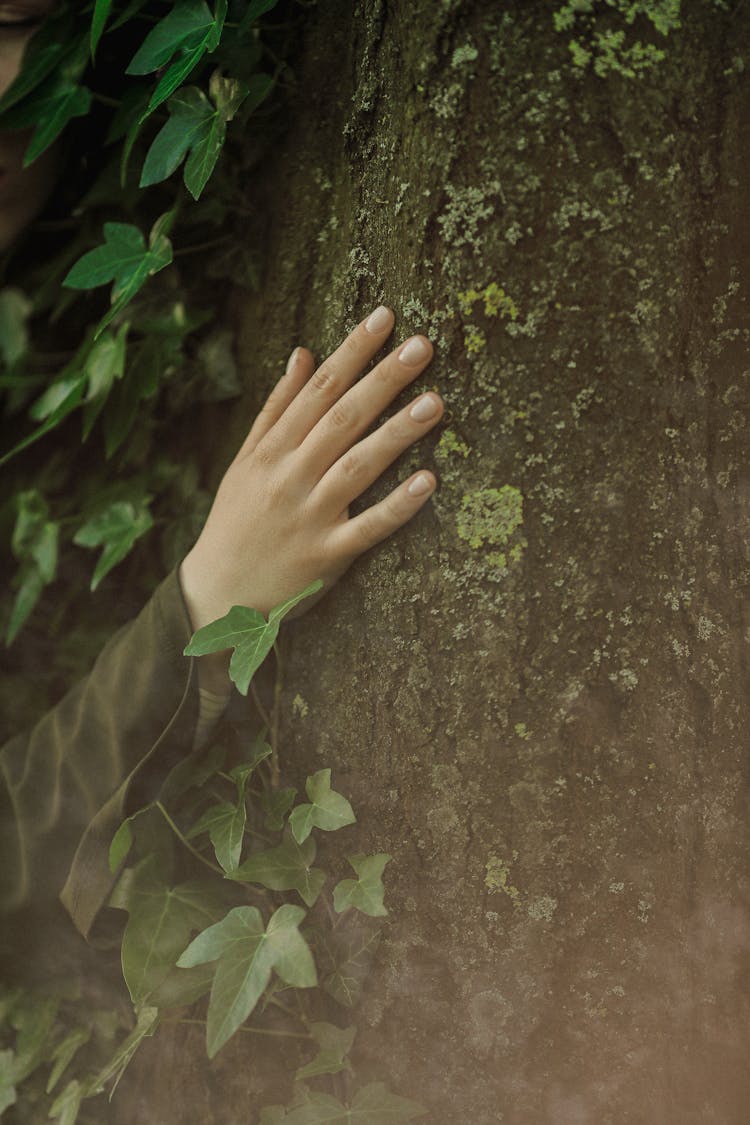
280,518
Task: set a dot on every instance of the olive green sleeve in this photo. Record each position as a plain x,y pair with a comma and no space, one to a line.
98,755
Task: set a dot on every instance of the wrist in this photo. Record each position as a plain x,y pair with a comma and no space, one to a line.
213,668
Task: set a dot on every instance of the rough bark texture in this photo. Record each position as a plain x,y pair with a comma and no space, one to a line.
536,696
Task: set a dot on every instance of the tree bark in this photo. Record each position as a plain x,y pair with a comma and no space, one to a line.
536,694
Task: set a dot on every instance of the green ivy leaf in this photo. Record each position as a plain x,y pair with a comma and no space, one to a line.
47,52
53,109
102,9
146,1024
64,1053
347,954
225,824
247,632
246,955
7,1084
34,543
285,868
104,365
327,809
366,892
66,1106
161,919
123,259
15,310
277,803
372,1105
116,528
197,127
189,27
334,1045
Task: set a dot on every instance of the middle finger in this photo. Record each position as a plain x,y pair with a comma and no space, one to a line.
348,419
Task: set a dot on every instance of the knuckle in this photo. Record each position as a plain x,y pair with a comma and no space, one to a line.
351,465
323,381
341,416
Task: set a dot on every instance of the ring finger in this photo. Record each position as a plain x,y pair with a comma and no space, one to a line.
348,419
368,459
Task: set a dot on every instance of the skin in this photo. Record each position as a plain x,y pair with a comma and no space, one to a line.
23,191
280,518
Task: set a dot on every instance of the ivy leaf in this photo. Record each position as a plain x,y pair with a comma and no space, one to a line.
347,954
64,1053
372,1105
190,28
285,868
15,310
146,1024
34,1021
53,109
46,52
197,127
192,771
116,528
328,810
246,955
225,824
67,1104
34,543
104,365
124,259
161,919
277,803
255,9
366,892
334,1045
248,633
7,1086
102,10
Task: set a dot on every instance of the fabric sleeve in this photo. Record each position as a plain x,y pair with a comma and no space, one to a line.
101,753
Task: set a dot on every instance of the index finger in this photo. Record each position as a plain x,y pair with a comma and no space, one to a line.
334,376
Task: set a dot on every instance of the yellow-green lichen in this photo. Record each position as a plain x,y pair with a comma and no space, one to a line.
474,339
496,301
449,443
491,517
497,877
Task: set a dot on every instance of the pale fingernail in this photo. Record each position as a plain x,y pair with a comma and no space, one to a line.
379,320
413,351
292,360
424,408
420,485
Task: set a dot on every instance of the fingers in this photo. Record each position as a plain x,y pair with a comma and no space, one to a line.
359,407
368,459
299,369
352,537
333,377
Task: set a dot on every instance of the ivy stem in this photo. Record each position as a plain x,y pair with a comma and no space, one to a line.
251,1030
209,245
183,839
275,718
289,1011
261,709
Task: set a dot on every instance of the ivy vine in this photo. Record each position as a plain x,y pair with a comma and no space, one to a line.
102,342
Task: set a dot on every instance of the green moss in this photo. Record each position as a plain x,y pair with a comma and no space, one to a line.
496,301
474,339
491,517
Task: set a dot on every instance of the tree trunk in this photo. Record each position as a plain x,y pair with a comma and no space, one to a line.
536,695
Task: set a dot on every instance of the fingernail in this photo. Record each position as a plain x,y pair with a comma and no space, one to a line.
413,351
379,320
424,408
292,360
420,485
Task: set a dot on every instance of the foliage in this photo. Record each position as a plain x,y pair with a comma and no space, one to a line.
110,329
195,919
134,90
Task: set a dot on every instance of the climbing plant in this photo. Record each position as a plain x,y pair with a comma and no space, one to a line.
226,890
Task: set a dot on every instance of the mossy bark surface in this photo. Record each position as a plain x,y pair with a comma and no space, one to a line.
536,694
